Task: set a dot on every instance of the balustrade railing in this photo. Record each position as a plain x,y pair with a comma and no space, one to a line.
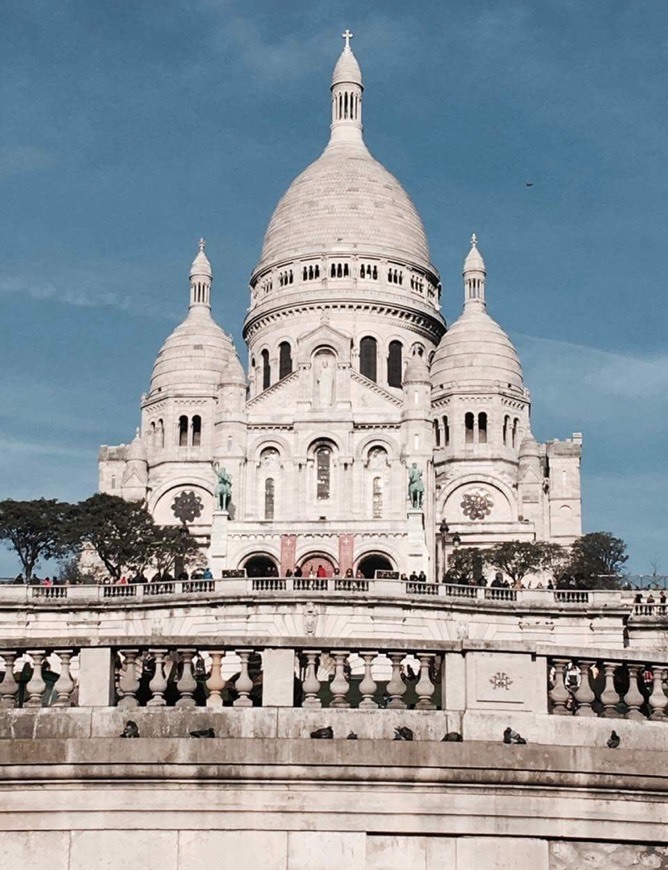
184,677
385,586
39,678
369,680
609,689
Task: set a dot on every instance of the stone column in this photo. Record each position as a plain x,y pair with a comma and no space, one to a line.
278,676
96,677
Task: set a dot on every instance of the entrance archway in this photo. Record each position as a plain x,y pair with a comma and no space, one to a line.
372,562
314,562
260,565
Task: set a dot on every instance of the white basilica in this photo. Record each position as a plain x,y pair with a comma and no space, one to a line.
353,383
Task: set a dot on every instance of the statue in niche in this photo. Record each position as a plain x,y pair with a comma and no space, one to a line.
324,379
223,491
415,486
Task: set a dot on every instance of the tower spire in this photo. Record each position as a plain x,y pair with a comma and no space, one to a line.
474,275
201,277
347,88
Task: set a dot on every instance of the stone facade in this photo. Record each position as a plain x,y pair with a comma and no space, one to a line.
352,379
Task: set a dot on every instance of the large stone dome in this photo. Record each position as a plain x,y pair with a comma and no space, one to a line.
345,201
196,356
475,351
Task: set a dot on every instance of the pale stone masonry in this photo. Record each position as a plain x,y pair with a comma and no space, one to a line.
352,377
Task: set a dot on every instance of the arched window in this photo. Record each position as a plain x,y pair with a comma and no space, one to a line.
437,434
266,370
183,431
332,271
284,360
506,423
151,435
113,481
269,498
196,427
394,364
377,498
369,358
482,428
161,433
515,425
323,462
446,431
468,424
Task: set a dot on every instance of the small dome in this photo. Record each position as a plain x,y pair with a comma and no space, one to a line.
347,69
529,448
475,351
417,370
136,450
201,264
194,356
474,261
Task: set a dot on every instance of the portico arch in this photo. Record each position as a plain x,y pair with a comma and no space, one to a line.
260,565
369,563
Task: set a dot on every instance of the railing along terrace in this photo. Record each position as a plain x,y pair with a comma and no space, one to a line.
363,676
236,583
39,678
607,688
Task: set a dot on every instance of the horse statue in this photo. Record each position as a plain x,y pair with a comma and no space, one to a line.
415,486
223,491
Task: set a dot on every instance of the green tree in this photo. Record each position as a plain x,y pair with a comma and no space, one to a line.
121,532
516,558
172,545
36,530
465,565
596,560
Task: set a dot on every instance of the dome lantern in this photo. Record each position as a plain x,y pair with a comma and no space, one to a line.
474,274
346,90
201,277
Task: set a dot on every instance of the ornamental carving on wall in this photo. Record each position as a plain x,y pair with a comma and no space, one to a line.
501,680
477,505
187,506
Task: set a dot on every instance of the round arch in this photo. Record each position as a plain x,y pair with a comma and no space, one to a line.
260,565
312,561
369,563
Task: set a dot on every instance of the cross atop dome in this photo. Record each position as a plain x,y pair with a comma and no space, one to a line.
201,245
347,35
474,241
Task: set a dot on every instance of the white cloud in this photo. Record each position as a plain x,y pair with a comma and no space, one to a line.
15,159
83,292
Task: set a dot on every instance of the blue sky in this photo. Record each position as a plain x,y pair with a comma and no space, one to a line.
130,129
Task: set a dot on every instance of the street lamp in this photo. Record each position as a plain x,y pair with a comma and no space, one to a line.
447,538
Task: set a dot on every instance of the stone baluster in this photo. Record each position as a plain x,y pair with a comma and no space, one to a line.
634,698
36,685
657,700
340,685
158,683
424,686
368,685
584,695
187,682
65,684
215,684
396,687
8,687
311,684
609,695
559,694
244,684
128,683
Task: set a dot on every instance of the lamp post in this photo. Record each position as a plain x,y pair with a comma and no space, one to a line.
447,538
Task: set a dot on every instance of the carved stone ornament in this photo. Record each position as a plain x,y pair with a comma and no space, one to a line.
477,505
501,680
187,506
310,619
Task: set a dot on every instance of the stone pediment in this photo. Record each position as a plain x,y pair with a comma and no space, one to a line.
365,393
327,336
285,391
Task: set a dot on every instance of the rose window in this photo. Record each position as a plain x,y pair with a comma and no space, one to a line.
187,506
477,505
